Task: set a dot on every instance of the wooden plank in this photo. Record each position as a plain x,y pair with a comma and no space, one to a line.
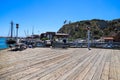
117,64
73,63
112,75
105,72
62,64
22,60
100,67
82,74
91,73
39,66
43,61
72,73
50,69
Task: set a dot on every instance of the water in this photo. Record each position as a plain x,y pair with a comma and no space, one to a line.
3,44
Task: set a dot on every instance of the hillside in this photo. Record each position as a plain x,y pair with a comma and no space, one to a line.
98,28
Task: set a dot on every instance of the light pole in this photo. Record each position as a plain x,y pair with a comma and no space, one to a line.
88,34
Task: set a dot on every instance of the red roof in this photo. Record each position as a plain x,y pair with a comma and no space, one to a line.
108,38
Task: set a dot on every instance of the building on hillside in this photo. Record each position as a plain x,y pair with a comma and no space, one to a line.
61,37
53,36
108,39
47,35
114,37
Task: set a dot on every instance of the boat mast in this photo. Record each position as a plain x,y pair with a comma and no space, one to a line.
11,29
33,30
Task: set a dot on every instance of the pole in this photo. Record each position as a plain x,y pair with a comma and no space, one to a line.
11,29
32,33
33,30
17,26
88,33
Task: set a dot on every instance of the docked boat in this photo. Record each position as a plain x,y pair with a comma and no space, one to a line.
11,40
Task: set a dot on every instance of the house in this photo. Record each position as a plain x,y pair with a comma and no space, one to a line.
47,35
108,39
53,35
115,37
61,35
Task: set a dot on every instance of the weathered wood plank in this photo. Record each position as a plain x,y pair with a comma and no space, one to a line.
117,64
60,64
105,72
112,73
71,74
82,68
72,62
100,67
91,73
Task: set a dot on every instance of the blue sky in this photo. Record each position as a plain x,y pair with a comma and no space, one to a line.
49,15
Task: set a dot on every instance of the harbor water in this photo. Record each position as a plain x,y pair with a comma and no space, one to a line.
3,44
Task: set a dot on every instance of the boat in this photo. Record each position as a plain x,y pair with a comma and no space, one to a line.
11,40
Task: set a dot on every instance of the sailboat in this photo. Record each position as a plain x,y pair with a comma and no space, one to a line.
11,40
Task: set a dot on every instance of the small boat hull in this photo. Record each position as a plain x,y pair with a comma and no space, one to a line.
11,41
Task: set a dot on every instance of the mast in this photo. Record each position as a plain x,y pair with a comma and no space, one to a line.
11,29
33,30
11,40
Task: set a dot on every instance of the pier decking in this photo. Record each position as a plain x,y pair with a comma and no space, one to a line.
60,64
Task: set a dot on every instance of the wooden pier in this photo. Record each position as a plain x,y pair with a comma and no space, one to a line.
60,64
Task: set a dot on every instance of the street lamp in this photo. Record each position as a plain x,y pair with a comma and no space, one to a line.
88,35
17,26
